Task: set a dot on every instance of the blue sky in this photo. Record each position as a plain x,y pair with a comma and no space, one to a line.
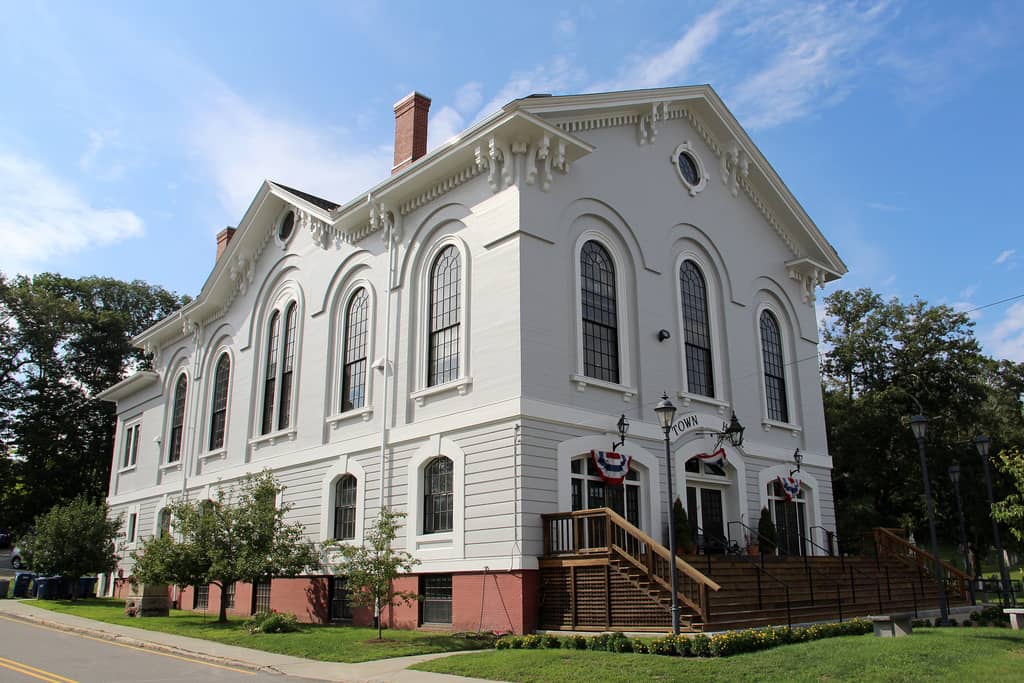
131,134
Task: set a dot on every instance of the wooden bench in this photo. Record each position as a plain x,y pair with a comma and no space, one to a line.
1016,617
892,625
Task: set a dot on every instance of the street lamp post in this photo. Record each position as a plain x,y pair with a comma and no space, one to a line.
666,412
954,475
981,443
919,424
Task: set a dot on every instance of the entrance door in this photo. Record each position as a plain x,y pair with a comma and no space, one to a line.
791,525
704,508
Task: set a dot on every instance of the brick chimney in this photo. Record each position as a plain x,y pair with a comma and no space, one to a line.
223,237
410,129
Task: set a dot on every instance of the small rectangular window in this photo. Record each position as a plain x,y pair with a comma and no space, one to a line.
130,446
229,595
261,595
436,606
201,598
132,521
341,608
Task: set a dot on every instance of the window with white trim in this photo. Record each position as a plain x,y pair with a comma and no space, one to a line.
219,408
774,368
354,355
445,316
177,419
133,523
164,524
345,508
599,313
693,295
279,370
437,495
130,445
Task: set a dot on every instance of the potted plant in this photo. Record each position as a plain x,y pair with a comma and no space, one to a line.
753,547
684,535
766,532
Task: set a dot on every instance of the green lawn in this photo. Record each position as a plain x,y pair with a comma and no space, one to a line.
952,654
326,643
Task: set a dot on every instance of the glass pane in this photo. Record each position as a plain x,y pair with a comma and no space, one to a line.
600,317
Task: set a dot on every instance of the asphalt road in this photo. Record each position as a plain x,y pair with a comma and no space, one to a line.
30,653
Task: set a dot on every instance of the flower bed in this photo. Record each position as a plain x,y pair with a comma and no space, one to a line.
718,645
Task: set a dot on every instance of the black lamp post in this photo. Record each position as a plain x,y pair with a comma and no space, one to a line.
954,475
981,443
919,424
666,412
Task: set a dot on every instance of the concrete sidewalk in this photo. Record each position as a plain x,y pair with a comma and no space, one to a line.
383,670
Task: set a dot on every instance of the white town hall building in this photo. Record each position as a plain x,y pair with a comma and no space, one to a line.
455,341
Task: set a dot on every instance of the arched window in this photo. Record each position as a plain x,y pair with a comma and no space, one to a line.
445,292
164,524
177,419
345,508
437,496
270,382
284,410
353,374
693,293
219,409
774,368
600,316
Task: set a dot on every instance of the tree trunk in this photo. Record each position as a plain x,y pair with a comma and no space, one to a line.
222,610
74,589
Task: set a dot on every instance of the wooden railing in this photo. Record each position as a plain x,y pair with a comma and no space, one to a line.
890,542
602,530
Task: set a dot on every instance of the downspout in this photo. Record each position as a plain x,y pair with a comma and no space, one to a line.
389,221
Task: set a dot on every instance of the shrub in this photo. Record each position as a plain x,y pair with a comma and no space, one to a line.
700,645
683,646
599,643
272,622
532,641
503,644
576,642
619,642
551,641
766,532
641,648
516,643
663,646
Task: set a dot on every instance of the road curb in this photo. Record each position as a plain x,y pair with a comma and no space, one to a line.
141,644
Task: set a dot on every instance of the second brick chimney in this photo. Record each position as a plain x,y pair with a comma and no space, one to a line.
223,238
410,129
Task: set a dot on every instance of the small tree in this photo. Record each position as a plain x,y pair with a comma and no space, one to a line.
370,569
766,532
684,535
241,536
74,538
1010,510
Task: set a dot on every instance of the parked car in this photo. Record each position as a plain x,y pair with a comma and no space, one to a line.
16,558
5,538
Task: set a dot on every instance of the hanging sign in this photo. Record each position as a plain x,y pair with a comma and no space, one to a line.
612,467
790,486
716,458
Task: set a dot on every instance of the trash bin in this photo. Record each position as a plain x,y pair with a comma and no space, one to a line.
87,587
22,582
50,587
5,587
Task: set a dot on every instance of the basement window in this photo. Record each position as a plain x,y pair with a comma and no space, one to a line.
436,606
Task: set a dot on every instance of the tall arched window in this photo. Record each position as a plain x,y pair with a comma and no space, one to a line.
774,368
270,382
219,409
345,508
177,419
600,316
164,524
353,374
693,293
284,410
437,496
445,292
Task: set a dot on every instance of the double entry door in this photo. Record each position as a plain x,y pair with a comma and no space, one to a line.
706,513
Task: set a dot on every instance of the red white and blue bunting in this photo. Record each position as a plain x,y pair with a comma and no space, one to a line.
612,467
790,486
716,458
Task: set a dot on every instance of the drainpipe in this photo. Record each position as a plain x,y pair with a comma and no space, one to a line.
389,220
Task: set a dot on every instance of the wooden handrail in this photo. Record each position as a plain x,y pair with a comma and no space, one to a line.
887,539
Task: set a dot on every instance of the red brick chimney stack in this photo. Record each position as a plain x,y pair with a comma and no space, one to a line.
223,237
410,129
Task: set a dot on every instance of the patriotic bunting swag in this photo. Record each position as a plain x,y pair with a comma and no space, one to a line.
716,458
613,467
790,486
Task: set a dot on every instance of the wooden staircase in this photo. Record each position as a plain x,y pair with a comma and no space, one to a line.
599,572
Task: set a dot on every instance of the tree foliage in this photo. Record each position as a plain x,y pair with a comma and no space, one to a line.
240,536
73,539
370,570
62,340
1010,510
885,360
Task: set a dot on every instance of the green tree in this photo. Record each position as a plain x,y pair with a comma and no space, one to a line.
240,536
370,570
1010,510
73,539
62,340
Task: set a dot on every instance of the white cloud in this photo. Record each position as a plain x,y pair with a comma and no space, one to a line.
879,206
469,97
565,27
241,146
43,217
968,292
98,165
548,78
1006,339
1004,256
444,124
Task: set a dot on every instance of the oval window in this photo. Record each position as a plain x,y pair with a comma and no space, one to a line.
688,168
286,227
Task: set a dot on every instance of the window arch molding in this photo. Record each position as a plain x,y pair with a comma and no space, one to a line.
283,296
719,359
464,380
624,296
445,545
223,346
790,374
346,466
339,329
